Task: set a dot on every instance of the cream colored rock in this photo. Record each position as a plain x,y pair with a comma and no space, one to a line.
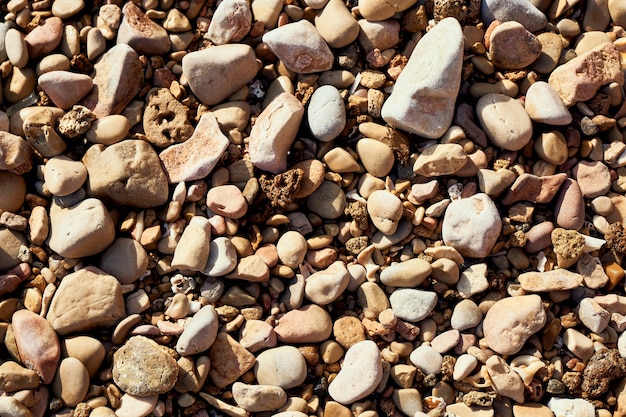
125,259
385,209
90,351
291,249
440,159
63,175
136,406
71,382
324,287
231,21
505,121
505,381
200,332
336,24
360,374
282,366
192,250
377,158
258,398
409,273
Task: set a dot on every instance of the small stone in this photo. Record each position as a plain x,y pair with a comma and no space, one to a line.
222,258
14,190
326,114
473,280
282,366
360,373
554,280
375,11
229,360
71,382
592,315
200,332
135,405
505,121
511,46
65,88
176,22
274,132
231,21
569,211
522,11
17,156
593,177
141,33
617,11
324,287
11,243
378,35
215,73
427,359
340,160
328,201
464,366
300,47
192,252
445,341
385,210
251,268
571,407
83,229
440,159
165,119
88,350
291,249
429,82
505,381
307,324
257,335
568,245
67,8
128,172
409,273
377,158
86,299
511,321
125,259
15,47
348,330
472,225
580,78
37,343
63,176
14,377
412,305
544,105
258,398
11,407
108,130
465,315
551,49
141,367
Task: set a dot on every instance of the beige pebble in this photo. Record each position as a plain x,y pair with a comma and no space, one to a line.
291,247
16,49
385,209
86,349
340,160
323,287
71,382
376,157
136,406
63,175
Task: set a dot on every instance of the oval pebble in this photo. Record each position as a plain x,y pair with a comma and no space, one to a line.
412,305
360,373
505,121
326,113
376,157
427,359
199,333
282,366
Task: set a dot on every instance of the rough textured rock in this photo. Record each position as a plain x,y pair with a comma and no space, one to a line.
85,300
128,172
229,360
141,33
15,154
165,119
231,21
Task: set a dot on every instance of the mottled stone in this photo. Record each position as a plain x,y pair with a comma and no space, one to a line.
229,360
15,154
141,33
165,119
231,21
37,343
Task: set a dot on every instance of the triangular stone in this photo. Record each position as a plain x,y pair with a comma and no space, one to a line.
65,88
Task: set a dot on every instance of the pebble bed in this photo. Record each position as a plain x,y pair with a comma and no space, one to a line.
300,208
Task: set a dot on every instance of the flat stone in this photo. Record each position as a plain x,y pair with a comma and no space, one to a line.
65,88
85,300
511,321
472,225
37,343
141,33
257,335
200,332
336,24
375,10
300,47
440,159
410,273
258,398
11,242
529,187
360,373
231,21
251,268
326,114
128,173
328,201
141,367
422,101
14,189
215,73
576,407
505,381
67,8
580,78
412,305
229,360
504,120
554,280
307,324
511,46
83,229
222,258
14,377
135,406
282,366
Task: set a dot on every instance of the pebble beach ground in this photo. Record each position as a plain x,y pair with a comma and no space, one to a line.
300,208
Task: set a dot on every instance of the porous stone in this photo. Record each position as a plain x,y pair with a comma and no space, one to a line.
165,119
422,101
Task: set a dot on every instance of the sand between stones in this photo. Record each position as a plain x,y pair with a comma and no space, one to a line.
312,208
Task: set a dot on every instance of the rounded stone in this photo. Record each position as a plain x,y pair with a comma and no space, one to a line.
227,200
505,121
412,305
427,359
360,373
465,315
200,332
409,273
282,366
13,189
328,201
63,175
71,382
376,157
385,209
552,147
326,113
291,249
125,259
325,286
90,351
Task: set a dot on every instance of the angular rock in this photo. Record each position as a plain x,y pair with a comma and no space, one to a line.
165,119
65,88
45,37
440,159
229,360
37,343
215,73
10,246
593,177
231,21
336,24
142,367
360,373
118,78
85,300
300,47
580,78
274,132
141,33
83,229
423,98
13,188
14,377
529,187
472,225
505,381
511,321
128,173
15,154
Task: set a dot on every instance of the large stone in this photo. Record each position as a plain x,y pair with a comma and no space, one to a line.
142,367
231,21
118,77
423,97
215,73
472,225
85,300
196,157
65,88
165,119
15,154
511,321
83,229
229,360
125,259
128,173
505,121
37,343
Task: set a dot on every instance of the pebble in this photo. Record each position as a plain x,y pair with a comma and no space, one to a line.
360,373
71,382
20,84
10,243
141,33
511,321
83,229
125,259
257,335
273,133
37,343
292,248
165,120
440,159
229,360
67,8
412,305
40,133
340,160
505,121
136,406
569,210
429,82
15,377
377,158
222,258
385,210
576,407
529,187
427,359
45,37
213,74
326,113
465,315
592,315
307,324
88,350
57,84
300,47
505,381
617,11
410,273
231,21
378,34
580,78
324,287
522,11
63,176
86,299
375,11
227,201
544,105
551,49
336,24
467,218
16,49
17,156
282,366
258,398
14,190
328,201
511,46
593,177
464,366
118,74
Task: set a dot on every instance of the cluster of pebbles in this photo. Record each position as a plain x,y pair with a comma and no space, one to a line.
299,208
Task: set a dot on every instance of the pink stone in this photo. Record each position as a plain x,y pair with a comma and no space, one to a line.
197,156
65,88
528,187
141,33
594,178
45,37
227,200
37,343
569,211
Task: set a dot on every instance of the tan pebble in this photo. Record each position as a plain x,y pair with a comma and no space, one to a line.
339,160
37,342
102,412
323,287
108,130
71,382
15,377
136,406
179,308
376,157
63,175
291,248
86,349
192,251
308,324
67,8
16,49
445,270
385,209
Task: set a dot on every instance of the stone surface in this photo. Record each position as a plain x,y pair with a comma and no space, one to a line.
37,343
385,210
427,359
15,154
10,243
440,159
307,324
231,21
229,360
63,175
429,82
336,24
85,300
511,46
511,321
360,373
200,332
141,367
128,172
71,382
165,119
45,37
411,304
14,189
65,88
141,33
125,259
282,366
410,273
325,286
543,104
522,11
326,114
472,225
504,120
257,398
